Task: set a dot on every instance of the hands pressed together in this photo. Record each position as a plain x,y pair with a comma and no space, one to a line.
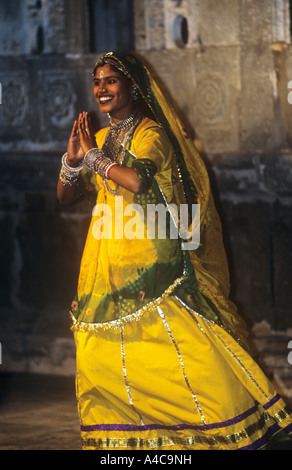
81,140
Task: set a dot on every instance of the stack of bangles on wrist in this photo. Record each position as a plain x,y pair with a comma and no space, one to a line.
69,175
94,160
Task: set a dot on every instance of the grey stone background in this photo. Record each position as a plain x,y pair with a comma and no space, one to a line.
226,68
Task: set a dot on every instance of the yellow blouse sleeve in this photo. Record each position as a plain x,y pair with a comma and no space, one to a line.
150,142
150,145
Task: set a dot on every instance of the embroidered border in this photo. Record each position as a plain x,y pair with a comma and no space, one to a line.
190,441
93,327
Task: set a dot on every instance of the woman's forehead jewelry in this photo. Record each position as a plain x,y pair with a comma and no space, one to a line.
110,60
101,75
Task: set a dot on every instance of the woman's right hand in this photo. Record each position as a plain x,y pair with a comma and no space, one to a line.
74,149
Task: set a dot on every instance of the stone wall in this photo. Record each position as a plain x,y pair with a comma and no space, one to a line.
230,85
226,70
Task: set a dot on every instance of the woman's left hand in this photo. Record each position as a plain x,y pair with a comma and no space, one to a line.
86,135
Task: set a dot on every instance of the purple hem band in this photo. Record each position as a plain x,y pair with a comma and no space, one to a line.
263,440
267,437
177,427
288,429
272,402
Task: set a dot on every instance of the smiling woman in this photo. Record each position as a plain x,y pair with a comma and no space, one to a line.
163,360
112,91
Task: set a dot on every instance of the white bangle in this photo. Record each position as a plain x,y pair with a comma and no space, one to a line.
70,168
107,169
69,175
91,156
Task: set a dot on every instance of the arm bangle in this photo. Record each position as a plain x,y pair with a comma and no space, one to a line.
108,169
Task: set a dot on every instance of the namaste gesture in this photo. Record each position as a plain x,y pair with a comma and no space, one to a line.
81,140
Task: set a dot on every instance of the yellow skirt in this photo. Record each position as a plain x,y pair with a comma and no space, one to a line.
172,380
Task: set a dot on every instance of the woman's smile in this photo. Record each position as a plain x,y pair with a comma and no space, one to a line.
105,99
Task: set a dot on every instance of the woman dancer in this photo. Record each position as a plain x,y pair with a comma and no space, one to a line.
163,360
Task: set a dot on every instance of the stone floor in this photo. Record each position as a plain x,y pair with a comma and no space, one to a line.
38,412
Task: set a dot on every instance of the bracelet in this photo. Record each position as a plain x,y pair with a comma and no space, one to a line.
69,175
92,157
96,160
71,168
108,168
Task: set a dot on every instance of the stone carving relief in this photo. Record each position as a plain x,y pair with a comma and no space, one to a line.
216,113
58,99
211,99
15,102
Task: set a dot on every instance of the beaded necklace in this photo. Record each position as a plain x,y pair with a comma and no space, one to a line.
118,136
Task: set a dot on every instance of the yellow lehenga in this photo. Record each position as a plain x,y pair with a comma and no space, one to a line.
163,360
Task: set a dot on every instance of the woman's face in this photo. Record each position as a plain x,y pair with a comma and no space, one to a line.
112,92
